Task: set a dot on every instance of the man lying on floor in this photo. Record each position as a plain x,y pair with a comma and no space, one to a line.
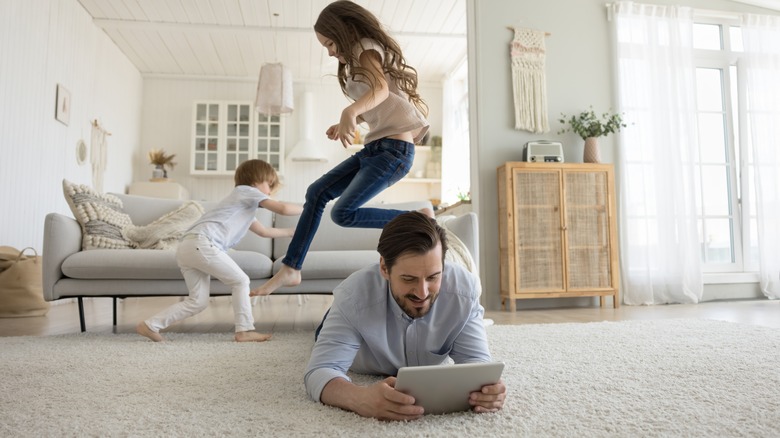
410,309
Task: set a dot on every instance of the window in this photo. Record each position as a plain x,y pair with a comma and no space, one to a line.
726,218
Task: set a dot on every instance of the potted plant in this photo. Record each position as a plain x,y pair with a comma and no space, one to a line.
161,161
589,127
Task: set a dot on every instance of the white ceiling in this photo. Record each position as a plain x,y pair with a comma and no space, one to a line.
232,39
769,4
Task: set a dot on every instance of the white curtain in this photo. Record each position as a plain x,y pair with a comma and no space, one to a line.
456,172
659,245
761,40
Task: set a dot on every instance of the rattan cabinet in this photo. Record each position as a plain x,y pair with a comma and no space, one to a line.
557,231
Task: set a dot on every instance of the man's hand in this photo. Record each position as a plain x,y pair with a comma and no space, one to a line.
489,399
380,400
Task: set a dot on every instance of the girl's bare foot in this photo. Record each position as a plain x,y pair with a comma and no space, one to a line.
286,276
144,330
252,337
428,212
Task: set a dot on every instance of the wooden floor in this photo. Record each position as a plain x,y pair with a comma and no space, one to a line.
283,313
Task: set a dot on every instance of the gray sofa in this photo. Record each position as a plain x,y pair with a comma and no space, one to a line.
335,253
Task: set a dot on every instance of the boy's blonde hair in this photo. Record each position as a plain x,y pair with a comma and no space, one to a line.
252,172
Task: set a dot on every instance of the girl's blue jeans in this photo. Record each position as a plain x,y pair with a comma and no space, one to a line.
355,181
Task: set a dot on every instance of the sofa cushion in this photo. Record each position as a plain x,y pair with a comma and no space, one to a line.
101,216
330,236
141,264
144,210
333,264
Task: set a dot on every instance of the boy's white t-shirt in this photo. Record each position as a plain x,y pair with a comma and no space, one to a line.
229,221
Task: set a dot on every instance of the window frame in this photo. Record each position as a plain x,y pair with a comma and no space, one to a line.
727,61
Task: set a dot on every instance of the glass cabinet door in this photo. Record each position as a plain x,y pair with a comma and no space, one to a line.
269,140
237,135
206,136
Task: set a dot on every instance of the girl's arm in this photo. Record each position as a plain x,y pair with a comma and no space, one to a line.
283,208
345,130
262,231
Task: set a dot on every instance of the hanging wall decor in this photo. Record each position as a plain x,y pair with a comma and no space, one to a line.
528,80
62,108
99,154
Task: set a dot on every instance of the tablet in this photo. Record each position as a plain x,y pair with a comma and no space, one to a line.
441,389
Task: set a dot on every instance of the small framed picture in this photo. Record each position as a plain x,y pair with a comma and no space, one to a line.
62,111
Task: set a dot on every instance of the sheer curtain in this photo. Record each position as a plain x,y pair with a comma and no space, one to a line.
660,253
761,40
456,173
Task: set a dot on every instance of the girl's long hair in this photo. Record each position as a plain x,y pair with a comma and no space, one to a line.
346,23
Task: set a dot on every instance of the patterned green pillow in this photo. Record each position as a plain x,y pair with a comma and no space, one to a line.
100,215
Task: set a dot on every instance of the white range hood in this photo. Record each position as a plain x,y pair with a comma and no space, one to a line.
307,149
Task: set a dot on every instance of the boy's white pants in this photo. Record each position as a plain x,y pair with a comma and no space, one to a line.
199,260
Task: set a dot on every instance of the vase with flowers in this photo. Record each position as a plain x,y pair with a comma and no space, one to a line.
590,127
162,162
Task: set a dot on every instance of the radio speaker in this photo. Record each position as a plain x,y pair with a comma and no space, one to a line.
544,151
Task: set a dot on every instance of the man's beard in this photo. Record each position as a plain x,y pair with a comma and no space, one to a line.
405,303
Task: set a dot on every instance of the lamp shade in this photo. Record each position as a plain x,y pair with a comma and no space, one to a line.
274,90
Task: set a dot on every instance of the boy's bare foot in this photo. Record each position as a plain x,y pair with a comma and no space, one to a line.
144,330
428,212
252,337
286,276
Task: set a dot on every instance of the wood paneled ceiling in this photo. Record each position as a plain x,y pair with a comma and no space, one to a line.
232,39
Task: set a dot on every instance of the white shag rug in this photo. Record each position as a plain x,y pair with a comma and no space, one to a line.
623,379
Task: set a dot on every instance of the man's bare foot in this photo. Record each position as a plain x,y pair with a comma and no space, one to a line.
286,276
252,337
144,330
428,212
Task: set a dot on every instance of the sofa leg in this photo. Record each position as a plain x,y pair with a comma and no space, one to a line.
114,311
81,314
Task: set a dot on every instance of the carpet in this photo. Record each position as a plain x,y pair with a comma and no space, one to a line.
634,378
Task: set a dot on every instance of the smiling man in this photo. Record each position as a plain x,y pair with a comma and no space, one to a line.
410,309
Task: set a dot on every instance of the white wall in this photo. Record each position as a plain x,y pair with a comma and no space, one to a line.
578,73
167,124
43,43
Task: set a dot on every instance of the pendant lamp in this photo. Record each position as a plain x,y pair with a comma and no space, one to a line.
274,90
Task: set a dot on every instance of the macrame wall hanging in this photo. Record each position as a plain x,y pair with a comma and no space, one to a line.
99,142
528,80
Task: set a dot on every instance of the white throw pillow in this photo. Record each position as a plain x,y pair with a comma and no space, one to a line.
164,233
101,217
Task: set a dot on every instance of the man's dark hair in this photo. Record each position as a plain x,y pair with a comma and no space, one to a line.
410,233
